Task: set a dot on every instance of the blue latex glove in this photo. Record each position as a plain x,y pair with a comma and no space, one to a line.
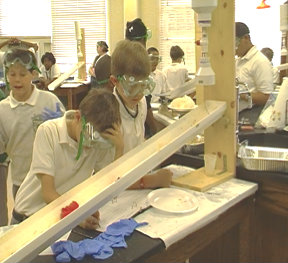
96,249
48,114
123,227
99,247
112,241
115,233
65,250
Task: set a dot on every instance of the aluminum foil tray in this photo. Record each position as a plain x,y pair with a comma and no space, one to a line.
264,158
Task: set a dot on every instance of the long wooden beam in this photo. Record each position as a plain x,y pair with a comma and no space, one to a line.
28,239
57,82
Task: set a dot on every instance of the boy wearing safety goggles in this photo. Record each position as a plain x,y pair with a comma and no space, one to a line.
130,68
74,146
22,111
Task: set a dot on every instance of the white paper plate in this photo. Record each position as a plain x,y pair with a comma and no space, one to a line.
173,200
182,110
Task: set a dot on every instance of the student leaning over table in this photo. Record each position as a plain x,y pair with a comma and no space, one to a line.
130,69
68,161
22,112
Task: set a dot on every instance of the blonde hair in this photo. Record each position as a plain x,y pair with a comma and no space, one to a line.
130,58
101,108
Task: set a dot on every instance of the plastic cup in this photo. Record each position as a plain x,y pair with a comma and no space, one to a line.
210,163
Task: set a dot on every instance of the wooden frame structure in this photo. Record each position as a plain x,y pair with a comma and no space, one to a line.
33,235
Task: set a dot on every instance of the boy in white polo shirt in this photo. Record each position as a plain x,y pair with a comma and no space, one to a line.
23,111
130,68
67,150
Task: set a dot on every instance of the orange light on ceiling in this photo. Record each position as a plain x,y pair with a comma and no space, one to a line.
263,5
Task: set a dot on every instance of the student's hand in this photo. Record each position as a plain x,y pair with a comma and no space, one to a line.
161,178
91,72
115,136
92,222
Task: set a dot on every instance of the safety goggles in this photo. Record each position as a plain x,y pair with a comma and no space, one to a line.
90,137
134,87
24,59
155,58
148,35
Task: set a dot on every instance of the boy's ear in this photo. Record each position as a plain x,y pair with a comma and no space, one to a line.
77,115
113,79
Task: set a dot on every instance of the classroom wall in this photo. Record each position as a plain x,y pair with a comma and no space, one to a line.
121,11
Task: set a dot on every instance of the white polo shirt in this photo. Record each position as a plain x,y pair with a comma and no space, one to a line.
52,73
255,70
161,84
133,129
55,154
176,75
18,124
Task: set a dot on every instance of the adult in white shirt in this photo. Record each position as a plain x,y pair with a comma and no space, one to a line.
156,74
176,73
49,70
252,67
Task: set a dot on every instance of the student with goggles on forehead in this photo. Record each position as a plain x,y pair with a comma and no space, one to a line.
130,69
23,111
81,142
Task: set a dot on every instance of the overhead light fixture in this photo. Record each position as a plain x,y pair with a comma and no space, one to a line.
263,5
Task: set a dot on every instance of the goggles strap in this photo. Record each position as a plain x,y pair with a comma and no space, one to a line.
80,147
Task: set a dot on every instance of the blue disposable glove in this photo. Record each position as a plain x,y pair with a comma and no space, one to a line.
112,241
99,247
96,249
115,233
48,114
65,250
123,227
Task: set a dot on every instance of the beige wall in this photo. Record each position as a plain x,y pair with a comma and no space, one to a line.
121,11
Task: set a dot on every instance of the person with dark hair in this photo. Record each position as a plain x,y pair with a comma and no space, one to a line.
68,150
100,70
176,73
137,31
268,52
156,74
49,70
252,67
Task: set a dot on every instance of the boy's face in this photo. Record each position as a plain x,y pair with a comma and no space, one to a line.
20,79
154,60
47,63
130,101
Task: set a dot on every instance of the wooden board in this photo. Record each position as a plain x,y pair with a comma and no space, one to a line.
199,181
28,239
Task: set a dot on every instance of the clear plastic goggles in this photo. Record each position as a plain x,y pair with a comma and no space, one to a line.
147,36
24,59
134,87
90,137
155,58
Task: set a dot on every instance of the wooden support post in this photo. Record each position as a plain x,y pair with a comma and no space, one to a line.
82,70
29,238
220,138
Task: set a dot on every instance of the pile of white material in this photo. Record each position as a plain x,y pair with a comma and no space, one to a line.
185,102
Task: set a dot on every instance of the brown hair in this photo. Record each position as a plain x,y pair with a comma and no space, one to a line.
101,108
176,52
130,58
